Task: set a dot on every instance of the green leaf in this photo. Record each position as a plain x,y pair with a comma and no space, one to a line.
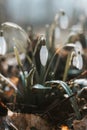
18,59
30,76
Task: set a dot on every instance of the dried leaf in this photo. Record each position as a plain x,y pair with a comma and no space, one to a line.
80,124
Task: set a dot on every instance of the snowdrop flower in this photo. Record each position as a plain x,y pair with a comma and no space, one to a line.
64,21
43,52
3,46
78,47
78,61
43,55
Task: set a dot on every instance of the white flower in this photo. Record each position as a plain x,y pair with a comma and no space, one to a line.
64,21
43,55
78,61
3,46
78,47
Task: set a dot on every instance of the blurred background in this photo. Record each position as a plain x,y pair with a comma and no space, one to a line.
38,13
41,12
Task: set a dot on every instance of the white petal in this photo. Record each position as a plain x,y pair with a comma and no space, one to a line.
3,46
75,60
78,61
64,21
78,47
43,55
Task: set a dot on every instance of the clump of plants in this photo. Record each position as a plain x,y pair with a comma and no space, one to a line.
47,80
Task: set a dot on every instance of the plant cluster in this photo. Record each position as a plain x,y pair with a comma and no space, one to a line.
48,81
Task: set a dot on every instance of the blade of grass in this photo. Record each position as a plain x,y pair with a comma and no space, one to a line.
19,61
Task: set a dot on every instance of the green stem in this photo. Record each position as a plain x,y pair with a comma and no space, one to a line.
67,66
